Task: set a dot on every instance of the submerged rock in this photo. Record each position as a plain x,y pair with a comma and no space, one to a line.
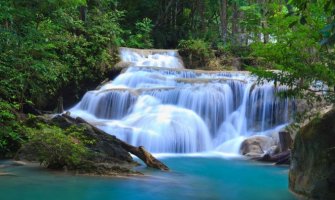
312,171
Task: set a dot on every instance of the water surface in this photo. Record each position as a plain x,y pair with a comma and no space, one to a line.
190,178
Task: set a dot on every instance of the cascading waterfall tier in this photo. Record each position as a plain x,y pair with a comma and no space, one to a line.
158,104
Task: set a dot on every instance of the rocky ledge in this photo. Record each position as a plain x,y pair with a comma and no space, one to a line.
108,155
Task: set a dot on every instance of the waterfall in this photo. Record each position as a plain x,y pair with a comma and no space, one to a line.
158,104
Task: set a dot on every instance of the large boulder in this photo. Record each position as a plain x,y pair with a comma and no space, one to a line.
312,171
256,146
106,154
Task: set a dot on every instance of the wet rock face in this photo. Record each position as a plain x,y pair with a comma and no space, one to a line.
312,171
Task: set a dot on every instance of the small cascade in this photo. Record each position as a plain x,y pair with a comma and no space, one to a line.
150,57
158,104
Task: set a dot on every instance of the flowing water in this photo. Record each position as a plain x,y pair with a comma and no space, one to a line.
158,104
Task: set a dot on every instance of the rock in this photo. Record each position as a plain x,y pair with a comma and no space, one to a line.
123,64
110,170
122,147
273,150
256,146
284,158
254,155
275,136
312,171
102,83
108,154
62,121
104,148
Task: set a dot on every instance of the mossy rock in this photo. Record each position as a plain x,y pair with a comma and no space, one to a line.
312,171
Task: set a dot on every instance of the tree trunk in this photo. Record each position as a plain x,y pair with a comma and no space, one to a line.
264,23
145,156
266,35
235,23
285,141
224,21
202,10
60,107
82,12
280,158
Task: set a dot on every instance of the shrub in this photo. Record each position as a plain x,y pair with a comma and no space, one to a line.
196,52
142,37
11,135
55,149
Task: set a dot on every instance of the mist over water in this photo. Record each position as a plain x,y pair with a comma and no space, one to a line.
158,104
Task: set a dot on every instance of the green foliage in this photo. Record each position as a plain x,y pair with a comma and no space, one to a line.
328,9
303,65
197,52
11,135
78,132
252,17
142,37
174,20
50,45
54,148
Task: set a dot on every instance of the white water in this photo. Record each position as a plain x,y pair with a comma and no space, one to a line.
168,109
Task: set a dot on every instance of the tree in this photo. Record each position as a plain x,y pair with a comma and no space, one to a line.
305,66
46,46
224,22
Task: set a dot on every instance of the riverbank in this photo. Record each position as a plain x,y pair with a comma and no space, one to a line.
9,167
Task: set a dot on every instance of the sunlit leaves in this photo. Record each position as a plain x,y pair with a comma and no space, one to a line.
297,54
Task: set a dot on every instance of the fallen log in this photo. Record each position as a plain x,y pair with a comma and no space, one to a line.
280,158
140,152
145,156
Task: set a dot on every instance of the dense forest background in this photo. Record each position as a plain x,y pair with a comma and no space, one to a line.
61,48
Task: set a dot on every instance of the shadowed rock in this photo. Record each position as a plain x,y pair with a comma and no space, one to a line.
115,144
312,171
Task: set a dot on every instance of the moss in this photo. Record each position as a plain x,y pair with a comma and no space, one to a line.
312,171
54,148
